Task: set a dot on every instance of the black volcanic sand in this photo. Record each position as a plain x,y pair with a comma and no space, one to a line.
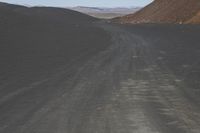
65,72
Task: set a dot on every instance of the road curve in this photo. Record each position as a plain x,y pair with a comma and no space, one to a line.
122,89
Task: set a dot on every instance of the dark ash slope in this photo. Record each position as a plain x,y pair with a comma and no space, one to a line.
36,40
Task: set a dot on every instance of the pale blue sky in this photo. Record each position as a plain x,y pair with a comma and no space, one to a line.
96,3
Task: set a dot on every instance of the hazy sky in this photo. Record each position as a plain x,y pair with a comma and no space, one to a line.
97,3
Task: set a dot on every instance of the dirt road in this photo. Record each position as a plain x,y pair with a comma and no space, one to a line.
126,88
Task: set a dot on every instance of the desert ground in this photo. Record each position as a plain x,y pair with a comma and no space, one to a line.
65,72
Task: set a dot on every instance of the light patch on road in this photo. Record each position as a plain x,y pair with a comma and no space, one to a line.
160,58
133,94
162,52
150,69
135,57
185,66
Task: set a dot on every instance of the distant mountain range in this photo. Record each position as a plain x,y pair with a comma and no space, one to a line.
102,12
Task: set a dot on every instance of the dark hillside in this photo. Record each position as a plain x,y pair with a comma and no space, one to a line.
37,40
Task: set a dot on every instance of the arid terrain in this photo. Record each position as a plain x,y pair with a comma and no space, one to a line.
105,13
65,72
166,11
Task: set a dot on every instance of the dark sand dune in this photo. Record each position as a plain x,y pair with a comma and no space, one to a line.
65,72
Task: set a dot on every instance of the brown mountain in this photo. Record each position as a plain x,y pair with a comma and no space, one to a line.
195,19
166,11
